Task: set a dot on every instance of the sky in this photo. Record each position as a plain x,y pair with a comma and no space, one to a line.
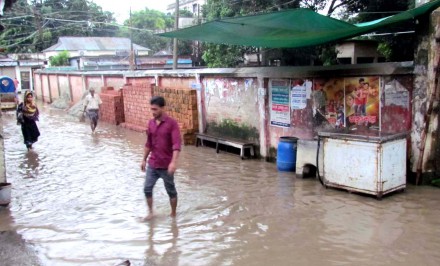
121,9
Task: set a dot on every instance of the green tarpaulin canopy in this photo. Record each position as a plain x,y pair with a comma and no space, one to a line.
289,28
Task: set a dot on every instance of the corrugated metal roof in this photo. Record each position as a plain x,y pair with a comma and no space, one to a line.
180,61
93,44
163,53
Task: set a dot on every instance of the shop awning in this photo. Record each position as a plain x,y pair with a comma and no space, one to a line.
290,28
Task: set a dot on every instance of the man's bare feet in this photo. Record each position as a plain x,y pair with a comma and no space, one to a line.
148,217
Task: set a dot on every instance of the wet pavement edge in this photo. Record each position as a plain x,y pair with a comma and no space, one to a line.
13,249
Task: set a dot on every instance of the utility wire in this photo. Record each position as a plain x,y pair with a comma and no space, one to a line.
98,22
388,33
24,39
10,18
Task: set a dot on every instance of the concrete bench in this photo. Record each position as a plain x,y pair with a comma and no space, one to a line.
227,142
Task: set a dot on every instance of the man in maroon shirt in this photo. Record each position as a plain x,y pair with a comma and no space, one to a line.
163,143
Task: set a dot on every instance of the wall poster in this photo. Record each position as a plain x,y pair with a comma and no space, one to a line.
396,94
328,101
362,101
300,92
280,103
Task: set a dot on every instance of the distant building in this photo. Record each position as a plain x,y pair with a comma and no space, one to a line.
163,59
194,6
94,46
21,66
358,52
93,53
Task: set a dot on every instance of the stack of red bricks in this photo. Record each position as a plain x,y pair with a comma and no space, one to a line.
112,108
182,106
137,106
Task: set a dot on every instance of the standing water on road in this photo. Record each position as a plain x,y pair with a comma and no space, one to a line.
77,198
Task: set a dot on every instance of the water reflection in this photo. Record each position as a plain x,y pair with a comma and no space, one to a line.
95,139
162,243
30,164
6,221
82,204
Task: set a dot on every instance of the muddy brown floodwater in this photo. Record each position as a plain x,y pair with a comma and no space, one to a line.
77,199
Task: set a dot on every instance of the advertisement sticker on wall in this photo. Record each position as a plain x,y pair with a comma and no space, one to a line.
362,101
396,94
280,103
328,102
301,90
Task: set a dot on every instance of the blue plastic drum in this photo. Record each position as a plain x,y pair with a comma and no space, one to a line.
286,154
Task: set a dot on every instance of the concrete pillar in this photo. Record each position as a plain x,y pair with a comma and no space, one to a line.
2,155
104,81
18,76
58,86
31,80
84,83
157,78
426,61
48,84
70,88
262,95
200,104
41,86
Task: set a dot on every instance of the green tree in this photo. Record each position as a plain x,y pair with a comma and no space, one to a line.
185,13
35,25
61,59
18,32
394,47
147,22
214,54
221,55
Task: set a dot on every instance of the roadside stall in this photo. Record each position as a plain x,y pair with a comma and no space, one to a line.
367,162
353,129
362,153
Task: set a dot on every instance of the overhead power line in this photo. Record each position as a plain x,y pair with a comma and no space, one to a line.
98,22
24,39
389,33
10,18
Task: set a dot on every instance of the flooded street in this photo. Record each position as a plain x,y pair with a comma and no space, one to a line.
77,198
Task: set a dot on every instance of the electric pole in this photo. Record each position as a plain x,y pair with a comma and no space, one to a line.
132,60
176,27
38,23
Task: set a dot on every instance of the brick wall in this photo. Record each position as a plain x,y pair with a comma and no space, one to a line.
115,82
176,82
94,82
141,80
53,86
182,106
38,87
232,107
137,106
64,87
77,88
45,89
112,108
